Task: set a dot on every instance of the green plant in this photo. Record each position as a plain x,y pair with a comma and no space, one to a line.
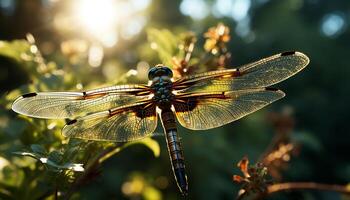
37,161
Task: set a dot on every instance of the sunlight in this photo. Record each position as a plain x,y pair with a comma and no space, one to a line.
99,18
97,15
104,19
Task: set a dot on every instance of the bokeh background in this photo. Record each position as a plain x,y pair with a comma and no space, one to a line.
83,44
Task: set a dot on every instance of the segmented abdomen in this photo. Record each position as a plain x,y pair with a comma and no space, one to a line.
175,149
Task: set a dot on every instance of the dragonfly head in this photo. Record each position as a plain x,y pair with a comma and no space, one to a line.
159,72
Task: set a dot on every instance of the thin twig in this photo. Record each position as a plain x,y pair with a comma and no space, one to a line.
279,187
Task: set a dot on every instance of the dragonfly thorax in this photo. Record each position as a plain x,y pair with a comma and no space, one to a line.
161,83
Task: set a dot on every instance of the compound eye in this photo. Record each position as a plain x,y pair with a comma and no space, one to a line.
168,72
152,73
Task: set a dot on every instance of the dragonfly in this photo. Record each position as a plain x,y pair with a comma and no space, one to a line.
202,101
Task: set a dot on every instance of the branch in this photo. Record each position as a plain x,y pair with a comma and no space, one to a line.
279,187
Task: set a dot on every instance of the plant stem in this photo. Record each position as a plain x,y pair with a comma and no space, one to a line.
279,187
288,186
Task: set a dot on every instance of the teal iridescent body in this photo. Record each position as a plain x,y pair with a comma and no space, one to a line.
161,85
163,95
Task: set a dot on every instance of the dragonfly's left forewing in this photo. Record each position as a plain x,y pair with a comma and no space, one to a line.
122,124
54,105
203,111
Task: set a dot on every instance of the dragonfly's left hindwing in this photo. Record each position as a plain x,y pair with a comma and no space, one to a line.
123,124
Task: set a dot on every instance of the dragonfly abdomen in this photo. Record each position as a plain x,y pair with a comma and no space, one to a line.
175,150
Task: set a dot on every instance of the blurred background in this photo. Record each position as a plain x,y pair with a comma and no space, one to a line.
54,45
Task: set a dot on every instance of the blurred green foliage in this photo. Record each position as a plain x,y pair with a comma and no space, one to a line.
36,162
60,161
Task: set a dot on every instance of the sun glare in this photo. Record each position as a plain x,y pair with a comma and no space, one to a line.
96,15
101,23
104,21
99,18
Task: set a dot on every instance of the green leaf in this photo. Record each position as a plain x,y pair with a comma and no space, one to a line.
15,49
165,43
51,164
38,149
74,166
70,153
152,144
22,153
55,156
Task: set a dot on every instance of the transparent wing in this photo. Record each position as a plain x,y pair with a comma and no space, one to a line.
55,105
260,74
210,110
121,124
